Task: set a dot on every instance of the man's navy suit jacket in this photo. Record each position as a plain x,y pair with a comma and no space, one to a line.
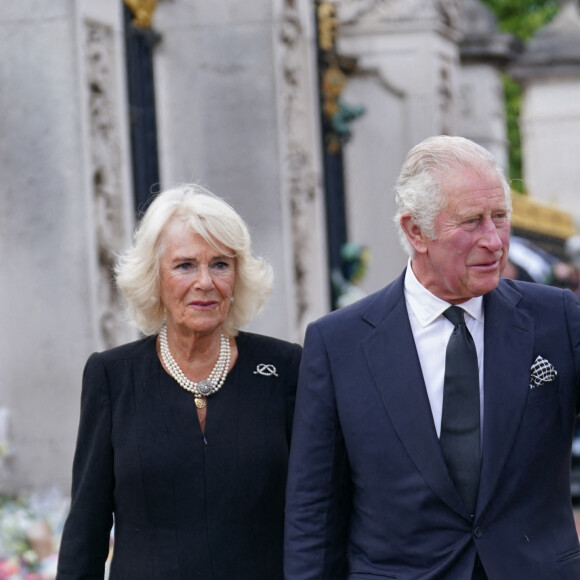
369,494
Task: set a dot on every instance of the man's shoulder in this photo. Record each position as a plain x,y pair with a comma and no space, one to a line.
371,308
536,299
530,290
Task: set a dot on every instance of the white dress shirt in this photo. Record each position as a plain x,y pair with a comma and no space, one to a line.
431,331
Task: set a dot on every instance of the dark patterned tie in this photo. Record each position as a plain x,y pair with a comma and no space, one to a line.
460,419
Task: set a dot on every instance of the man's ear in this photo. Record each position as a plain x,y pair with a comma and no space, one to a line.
414,234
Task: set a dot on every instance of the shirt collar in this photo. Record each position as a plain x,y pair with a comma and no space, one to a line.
427,307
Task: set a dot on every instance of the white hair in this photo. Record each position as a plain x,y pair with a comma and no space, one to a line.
419,189
138,269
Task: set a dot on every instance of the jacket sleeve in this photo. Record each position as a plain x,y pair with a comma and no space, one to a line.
85,540
318,491
572,309
292,383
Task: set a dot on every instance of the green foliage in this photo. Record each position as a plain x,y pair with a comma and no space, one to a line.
522,18
513,98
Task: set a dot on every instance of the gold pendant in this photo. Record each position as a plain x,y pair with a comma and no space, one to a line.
199,402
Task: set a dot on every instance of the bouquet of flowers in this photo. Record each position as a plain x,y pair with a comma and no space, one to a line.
29,536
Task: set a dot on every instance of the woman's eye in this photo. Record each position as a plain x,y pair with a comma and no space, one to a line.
221,265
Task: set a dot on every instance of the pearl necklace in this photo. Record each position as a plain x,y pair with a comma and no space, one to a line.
208,386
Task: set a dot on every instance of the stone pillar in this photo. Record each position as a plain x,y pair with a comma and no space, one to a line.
484,54
237,112
407,79
549,70
65,209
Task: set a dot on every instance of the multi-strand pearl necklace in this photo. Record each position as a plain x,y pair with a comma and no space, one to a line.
208,386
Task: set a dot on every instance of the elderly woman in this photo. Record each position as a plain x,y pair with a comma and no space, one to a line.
184,434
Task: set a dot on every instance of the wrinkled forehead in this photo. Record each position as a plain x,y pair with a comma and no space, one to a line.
474,181
185,227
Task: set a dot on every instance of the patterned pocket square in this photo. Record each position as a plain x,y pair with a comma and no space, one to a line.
542,371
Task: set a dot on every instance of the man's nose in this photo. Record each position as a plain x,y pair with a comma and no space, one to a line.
491,238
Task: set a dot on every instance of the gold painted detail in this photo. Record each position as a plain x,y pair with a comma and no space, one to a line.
143,11
334,72
333,81
540,218
327,26
199,402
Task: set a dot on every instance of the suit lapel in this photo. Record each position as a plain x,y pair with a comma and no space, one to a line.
508,353
392,359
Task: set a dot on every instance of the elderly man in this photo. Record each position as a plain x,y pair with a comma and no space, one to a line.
434,419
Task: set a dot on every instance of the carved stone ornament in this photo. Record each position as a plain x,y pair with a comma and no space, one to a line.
105,159
368,11
298,179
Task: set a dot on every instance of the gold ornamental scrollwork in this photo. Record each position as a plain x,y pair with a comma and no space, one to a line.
327,26
333,77
142,11
333,82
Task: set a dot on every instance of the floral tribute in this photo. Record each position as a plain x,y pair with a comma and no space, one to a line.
30,530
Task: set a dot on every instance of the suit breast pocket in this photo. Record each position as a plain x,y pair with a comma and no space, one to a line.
542,394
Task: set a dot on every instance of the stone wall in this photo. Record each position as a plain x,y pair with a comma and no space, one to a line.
63,154
407,79
236,112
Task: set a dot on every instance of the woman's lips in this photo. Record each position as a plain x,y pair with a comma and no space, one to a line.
203,305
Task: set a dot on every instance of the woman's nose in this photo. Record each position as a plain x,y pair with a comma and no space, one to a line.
204,279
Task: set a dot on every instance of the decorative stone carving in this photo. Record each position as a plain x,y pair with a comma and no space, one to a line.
105,171
445,94
447,11
481,40
555,48
299,182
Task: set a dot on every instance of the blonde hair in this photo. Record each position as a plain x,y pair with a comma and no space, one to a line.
138,269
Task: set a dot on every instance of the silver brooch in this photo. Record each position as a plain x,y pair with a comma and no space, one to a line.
266,370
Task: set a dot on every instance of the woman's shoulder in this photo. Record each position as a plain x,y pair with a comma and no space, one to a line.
137,349
132,361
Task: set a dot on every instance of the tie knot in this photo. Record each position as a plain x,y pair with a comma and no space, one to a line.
455,315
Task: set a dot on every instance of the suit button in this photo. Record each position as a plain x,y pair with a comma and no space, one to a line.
477,532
